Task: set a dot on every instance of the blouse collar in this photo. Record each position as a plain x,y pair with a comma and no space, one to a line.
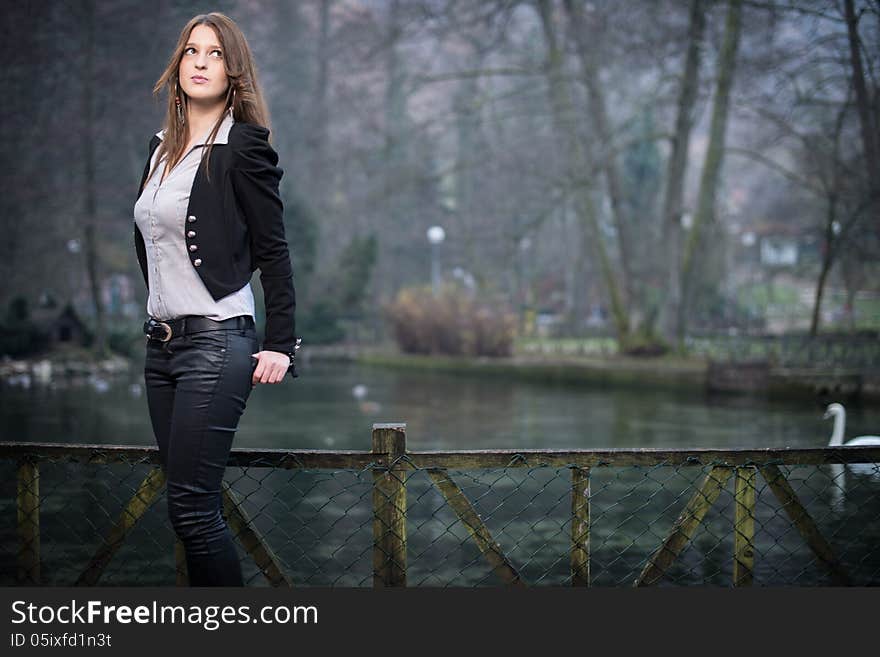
222,132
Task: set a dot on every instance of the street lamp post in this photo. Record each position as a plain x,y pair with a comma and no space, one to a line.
525,288
436,235
74,246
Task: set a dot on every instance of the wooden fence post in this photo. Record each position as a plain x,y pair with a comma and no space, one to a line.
389,507
685,526
580,526
744,526
29,522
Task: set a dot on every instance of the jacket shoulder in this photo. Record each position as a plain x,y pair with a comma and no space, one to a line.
243,136
249,143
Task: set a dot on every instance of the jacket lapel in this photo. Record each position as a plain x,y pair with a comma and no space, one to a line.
154,142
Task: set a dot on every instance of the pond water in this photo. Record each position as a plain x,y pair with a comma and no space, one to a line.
319,523
319,410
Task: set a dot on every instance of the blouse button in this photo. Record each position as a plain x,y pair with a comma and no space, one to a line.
191,233
193,247
191,218
197,262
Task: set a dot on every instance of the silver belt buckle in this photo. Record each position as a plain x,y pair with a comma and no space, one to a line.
154,323
167,328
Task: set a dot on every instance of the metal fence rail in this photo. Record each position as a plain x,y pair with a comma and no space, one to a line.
858,353
95,515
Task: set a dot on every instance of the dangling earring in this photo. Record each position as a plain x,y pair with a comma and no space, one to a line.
180,118
232,104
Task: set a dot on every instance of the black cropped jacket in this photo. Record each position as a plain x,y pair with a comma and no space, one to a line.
239,217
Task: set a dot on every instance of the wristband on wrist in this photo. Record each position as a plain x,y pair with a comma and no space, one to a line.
292,354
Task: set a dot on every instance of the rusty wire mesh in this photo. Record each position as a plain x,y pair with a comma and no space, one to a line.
319,524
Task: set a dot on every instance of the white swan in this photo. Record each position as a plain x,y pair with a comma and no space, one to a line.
839,414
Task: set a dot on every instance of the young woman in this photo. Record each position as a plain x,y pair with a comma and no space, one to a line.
209,214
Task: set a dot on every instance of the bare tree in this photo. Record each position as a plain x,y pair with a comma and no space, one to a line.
870,129
705,210
90,231
607,155
676,165
569,139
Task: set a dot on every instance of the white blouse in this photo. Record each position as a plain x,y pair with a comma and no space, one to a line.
175,288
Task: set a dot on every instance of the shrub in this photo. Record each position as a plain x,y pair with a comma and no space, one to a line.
452,323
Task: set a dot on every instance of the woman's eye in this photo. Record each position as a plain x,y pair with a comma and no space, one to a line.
187,50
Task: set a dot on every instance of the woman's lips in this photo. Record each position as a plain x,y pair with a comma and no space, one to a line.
199,80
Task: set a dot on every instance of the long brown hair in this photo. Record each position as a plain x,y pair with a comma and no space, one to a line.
247,100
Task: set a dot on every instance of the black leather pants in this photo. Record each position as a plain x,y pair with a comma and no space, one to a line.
197,387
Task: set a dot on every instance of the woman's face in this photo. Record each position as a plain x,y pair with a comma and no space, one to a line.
202,73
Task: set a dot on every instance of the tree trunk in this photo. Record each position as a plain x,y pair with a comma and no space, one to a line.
676,168
600,122
705,213
468,151
870,136
827,262
820,290
91,247
389,276
320,111
576,163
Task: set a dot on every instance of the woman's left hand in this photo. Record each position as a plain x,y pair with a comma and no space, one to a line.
271,367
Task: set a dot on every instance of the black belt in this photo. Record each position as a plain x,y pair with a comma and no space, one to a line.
165,330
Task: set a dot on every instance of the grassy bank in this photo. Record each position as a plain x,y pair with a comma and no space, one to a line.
631,372
647,374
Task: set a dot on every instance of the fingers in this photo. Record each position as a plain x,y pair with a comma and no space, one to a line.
269,370
271,376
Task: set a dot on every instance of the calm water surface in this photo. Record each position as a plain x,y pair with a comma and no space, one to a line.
319,523
442,411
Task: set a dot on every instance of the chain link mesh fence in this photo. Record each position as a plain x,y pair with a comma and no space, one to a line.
860,353
75,515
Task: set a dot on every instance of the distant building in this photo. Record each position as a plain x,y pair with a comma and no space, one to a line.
774,244
63,327
777,251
